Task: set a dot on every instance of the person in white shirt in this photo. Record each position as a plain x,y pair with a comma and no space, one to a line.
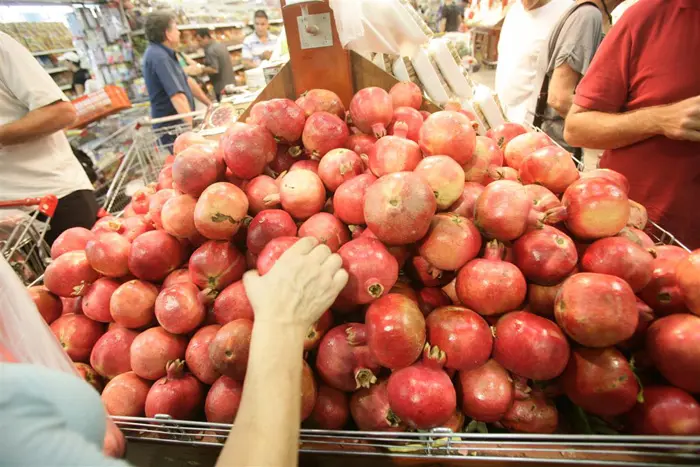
522,55
259,45
36,158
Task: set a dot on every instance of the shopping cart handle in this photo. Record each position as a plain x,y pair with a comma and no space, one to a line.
45,204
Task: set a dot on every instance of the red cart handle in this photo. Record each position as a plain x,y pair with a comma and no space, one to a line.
45,204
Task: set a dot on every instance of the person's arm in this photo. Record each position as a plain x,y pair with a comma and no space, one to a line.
306,279
247,55
38,123
561,89
198,92
182,105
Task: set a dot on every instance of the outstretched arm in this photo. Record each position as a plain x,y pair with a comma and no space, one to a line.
40,122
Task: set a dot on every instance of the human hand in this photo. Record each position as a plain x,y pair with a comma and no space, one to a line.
303,283
193,70
266,55
681,120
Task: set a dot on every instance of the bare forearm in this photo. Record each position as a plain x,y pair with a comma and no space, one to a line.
182,106
210,70
198,93
601,130
562,105
40,122
266,412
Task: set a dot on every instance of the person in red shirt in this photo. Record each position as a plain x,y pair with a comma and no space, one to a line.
640,101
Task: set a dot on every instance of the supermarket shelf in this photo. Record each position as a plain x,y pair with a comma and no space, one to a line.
230,48
236,24
66,87
58,69
138,32
52,52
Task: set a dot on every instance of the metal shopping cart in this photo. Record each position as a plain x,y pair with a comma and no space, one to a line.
22,235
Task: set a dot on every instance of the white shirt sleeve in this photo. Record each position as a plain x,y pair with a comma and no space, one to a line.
25,77
247,51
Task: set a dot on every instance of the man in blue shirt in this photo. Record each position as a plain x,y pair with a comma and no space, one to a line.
166,81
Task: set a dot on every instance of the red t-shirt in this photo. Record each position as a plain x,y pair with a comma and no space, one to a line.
652,57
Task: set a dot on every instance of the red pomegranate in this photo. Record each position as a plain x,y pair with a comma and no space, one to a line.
662,292
371,111
409,117
90,376
165,177
445,177
187,139
266,225
673,343
665,411
448,133
463,335
306,164
486,392
258,189
327,229
422,394
637,236
619,257
600,381
530,346
371,269
177,216
153,349
302,194
596,208
370,410
323,132
616,177
464,206
178,308
321,100
494,173
247,149
197,354
286,156
545,256
394,153
282,117
430,298
395,331
229,349
332,409
77,335
540,299
70,274
132,304
220,211
451,242
451,291
688,278
348,200
108,254
154,255
216,264
317,330
125,395
596,310
534,414
542,199
551,167
338,166
521,146
646,317
75,238
196,168
638,216
178,276
134,226
505,132
272,251
232,304
428,275
486,154
139,200
491,286
399,208
71,305
111,355
95,302
223,400
406,93
309,391
177,394
344,361
361,144
49,305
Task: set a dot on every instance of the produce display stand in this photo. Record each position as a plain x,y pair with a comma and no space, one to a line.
319,61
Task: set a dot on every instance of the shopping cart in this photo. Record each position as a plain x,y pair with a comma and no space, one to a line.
22,235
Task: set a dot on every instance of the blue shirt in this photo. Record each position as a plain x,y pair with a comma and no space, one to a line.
164,78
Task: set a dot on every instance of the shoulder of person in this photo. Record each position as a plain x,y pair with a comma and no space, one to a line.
586,14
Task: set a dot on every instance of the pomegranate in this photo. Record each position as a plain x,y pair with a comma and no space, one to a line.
394,153
494,173
177,394
70,274
153,349
663,293
505,132
215,265
317,330
223,400
430,298
464,206
422,394
165,177
71,306
247,149
307,164
428,275
258,190
545,256
282,117
229,349
406,93
542,199
530,346
108,254
108,224
616,177
670,252
409,117
445,177
596,208
344,361
302,194
272,251
111,355
646,317
267,225
395,331
688,279
551,167
637,236
665,411
49,305
220,211
75,238
596,310
232,304
491,286
286,156
77,335
128,210
154,255
323,132
139,200
331,411
619,257
638,216
451,291
348,200
178,276
540,299
451,242
187,139
327,229
178,308
132,305
135,226
399,208
521,146
177,216
197,354
338,166
308,391
535,414
95,302
370,410
371,269
90,376
321,100
486,392
125,395
450,134
487,154
371,111
463,335
673,343
196,168
361,145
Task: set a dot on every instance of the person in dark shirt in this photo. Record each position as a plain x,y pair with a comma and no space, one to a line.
80,75
450,17
217,62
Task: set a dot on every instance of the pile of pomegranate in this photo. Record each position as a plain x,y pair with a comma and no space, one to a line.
492,285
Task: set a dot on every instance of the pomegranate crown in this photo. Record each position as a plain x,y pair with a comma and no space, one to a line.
494,250
175,369
400,129
433,356
356,335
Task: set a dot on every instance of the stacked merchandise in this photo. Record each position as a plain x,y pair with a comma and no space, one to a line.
492,286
